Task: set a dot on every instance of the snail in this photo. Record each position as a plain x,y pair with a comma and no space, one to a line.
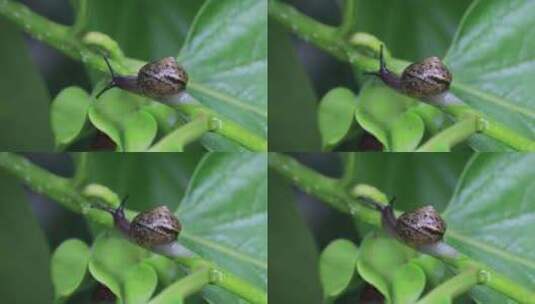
158,79
424,79
151,228
422,228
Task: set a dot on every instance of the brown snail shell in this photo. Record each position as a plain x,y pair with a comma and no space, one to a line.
157,226
162,78
427,78
422,226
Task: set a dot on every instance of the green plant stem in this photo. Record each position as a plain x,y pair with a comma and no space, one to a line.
310,181
239,287
349,18
82,15
225,127
227,280
61,38
43,182
506,135
492,128
350,163
333,194
184,287
81,169
448,138
63,191
507,286
329,190
452,288
178,139
324,38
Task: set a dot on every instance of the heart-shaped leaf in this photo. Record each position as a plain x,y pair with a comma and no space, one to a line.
69,266
335,115
139,283
119,115
338,263
408,283
111,258
386,114
491,217
68,114
407,132
379,258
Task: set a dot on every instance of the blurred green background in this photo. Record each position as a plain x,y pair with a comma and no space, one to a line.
300,74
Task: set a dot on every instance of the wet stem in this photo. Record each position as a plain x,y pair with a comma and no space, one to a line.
66,39
67,193
335,193
336,41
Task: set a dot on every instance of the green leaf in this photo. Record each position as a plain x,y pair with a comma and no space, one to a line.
148,179
335,115
166,117
380,257
489,74
139,283
69,266
291,247
432,25
226,58
224,214
435,271
385,114
292,100
414,179
111,256
24,100
491,218
165,268
408,283
434,119
337,266
407,132
68,114
144,30
25,254
118,115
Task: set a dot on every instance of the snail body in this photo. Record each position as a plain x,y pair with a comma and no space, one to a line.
424,79
151,228
419,228
158,79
